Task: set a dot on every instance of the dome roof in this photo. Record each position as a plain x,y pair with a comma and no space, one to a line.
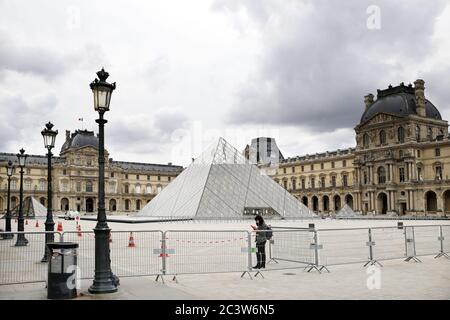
399,101
80,139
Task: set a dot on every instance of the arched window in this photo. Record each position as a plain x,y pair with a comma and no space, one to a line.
148,189
138,188
417,133
127,204
138,204
381,175
401,134
382,137
89,187
366,140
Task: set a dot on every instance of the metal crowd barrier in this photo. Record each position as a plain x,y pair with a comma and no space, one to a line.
205,251
175,252
133,253
23,264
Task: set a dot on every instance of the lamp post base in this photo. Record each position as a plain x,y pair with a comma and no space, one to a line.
21,241
104,280
103,286
6,236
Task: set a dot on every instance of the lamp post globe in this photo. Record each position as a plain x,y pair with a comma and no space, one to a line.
9,173
49,136
104,280
21,240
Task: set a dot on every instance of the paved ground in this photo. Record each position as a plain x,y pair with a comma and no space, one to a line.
399,280
396,280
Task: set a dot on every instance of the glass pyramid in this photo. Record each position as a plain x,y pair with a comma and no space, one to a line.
221,183
32,208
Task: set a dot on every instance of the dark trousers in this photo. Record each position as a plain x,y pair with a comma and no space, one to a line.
261,254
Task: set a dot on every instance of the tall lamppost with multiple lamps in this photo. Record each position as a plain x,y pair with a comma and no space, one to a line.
104,280
21,240
9,172
49,136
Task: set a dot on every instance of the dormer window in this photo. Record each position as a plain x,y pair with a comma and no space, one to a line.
366,140
401,134
382,137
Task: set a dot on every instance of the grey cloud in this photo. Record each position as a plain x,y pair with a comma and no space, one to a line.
33,60
319,59
150,135
20,119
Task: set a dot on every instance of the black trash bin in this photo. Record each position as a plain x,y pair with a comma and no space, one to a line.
62,266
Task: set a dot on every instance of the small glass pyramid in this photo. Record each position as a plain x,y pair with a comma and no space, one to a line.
221,183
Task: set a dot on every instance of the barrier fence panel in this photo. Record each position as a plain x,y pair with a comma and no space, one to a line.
132,252
410,243
343,246
85,251
426,239
23,263
206,251
389,243
445,239
289,248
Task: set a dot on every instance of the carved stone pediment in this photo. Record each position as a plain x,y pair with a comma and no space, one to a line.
379,118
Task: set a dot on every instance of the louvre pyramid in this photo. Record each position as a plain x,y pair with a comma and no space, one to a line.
32,208
346,212
221,183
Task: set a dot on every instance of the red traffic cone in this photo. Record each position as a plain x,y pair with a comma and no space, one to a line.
79,231
60,228
37,224
131,241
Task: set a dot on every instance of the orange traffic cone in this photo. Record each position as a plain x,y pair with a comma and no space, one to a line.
79,231
37,223
131,241
60,228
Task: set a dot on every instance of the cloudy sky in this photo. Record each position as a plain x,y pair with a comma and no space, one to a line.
188,72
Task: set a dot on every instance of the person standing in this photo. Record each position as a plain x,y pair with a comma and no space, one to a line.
261,240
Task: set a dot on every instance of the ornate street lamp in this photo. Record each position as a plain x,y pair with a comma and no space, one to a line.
104,280
9,172
21,240
49,136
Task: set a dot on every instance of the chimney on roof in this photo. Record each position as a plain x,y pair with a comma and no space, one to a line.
67,135
368,101
419,88
169,163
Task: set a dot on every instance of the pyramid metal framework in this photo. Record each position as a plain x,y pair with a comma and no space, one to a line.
221,183
346,212
32,208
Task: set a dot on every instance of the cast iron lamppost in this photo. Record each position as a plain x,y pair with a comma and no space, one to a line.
104,280
49,142
9,172
21,240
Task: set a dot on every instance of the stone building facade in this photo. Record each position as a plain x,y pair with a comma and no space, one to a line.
400,164
128,185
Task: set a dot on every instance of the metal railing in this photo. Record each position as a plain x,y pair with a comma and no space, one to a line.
176,252
23,264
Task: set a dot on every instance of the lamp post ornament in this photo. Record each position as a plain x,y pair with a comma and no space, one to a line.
49,136
104,280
